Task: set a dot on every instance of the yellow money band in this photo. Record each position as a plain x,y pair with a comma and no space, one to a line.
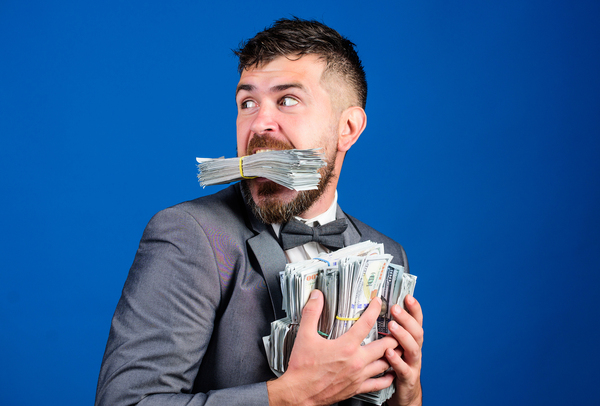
242,171
347,318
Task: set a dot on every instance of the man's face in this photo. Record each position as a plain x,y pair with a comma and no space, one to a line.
284,105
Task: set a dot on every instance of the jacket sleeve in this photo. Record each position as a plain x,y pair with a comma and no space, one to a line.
164,320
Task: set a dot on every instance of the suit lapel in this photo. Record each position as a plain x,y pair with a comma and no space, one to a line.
269,255
351,235
271,261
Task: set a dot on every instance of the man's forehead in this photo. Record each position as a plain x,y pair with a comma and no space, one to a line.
307,67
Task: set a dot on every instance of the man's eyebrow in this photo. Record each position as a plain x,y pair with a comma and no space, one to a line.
281,88
274,89
245,87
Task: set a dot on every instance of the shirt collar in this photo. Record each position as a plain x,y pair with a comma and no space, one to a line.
323,218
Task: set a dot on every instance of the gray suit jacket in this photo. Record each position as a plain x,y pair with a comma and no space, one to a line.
200,295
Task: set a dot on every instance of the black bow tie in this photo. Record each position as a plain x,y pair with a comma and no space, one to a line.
295,233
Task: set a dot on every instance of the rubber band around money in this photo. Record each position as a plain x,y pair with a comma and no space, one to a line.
347,318
242,171
324,260
323,334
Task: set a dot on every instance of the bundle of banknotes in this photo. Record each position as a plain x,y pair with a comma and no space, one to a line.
349,279
296,169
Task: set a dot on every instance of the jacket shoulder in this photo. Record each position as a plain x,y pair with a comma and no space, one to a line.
225,207
220,217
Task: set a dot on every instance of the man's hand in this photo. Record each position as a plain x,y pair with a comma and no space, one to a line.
322,372
406,359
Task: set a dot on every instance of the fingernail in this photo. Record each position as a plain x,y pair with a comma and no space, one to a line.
313,295
410,299
392,325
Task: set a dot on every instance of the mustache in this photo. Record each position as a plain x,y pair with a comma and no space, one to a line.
266,142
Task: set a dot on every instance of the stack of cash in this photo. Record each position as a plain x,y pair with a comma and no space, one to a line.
296,169
349,279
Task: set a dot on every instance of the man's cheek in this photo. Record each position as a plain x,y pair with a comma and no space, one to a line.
240,148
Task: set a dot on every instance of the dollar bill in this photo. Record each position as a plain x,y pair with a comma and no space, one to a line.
294,169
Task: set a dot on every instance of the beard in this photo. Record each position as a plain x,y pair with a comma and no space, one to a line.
271,209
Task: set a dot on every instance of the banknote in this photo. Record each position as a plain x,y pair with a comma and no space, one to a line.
295,169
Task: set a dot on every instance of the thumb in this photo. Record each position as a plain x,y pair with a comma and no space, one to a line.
311,313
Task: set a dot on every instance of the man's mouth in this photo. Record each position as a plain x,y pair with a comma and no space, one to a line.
265,143
258,151
262,149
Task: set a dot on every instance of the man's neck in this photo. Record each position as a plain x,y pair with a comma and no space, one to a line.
326,216
321,205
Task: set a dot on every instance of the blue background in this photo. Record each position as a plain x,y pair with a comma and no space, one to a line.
481,157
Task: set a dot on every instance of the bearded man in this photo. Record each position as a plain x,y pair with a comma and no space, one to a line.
204,285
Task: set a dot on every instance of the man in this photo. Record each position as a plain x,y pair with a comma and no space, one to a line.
204,285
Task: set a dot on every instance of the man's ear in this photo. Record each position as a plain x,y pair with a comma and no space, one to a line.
352,123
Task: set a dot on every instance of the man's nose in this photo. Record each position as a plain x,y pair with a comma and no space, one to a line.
265,120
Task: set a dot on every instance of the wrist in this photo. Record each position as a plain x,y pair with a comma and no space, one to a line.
282,394
410,397
418,398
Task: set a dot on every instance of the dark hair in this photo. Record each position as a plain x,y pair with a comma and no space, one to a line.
303,37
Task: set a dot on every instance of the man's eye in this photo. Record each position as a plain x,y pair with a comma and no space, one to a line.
288,101
247,104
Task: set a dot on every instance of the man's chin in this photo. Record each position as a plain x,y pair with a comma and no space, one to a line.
273,203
